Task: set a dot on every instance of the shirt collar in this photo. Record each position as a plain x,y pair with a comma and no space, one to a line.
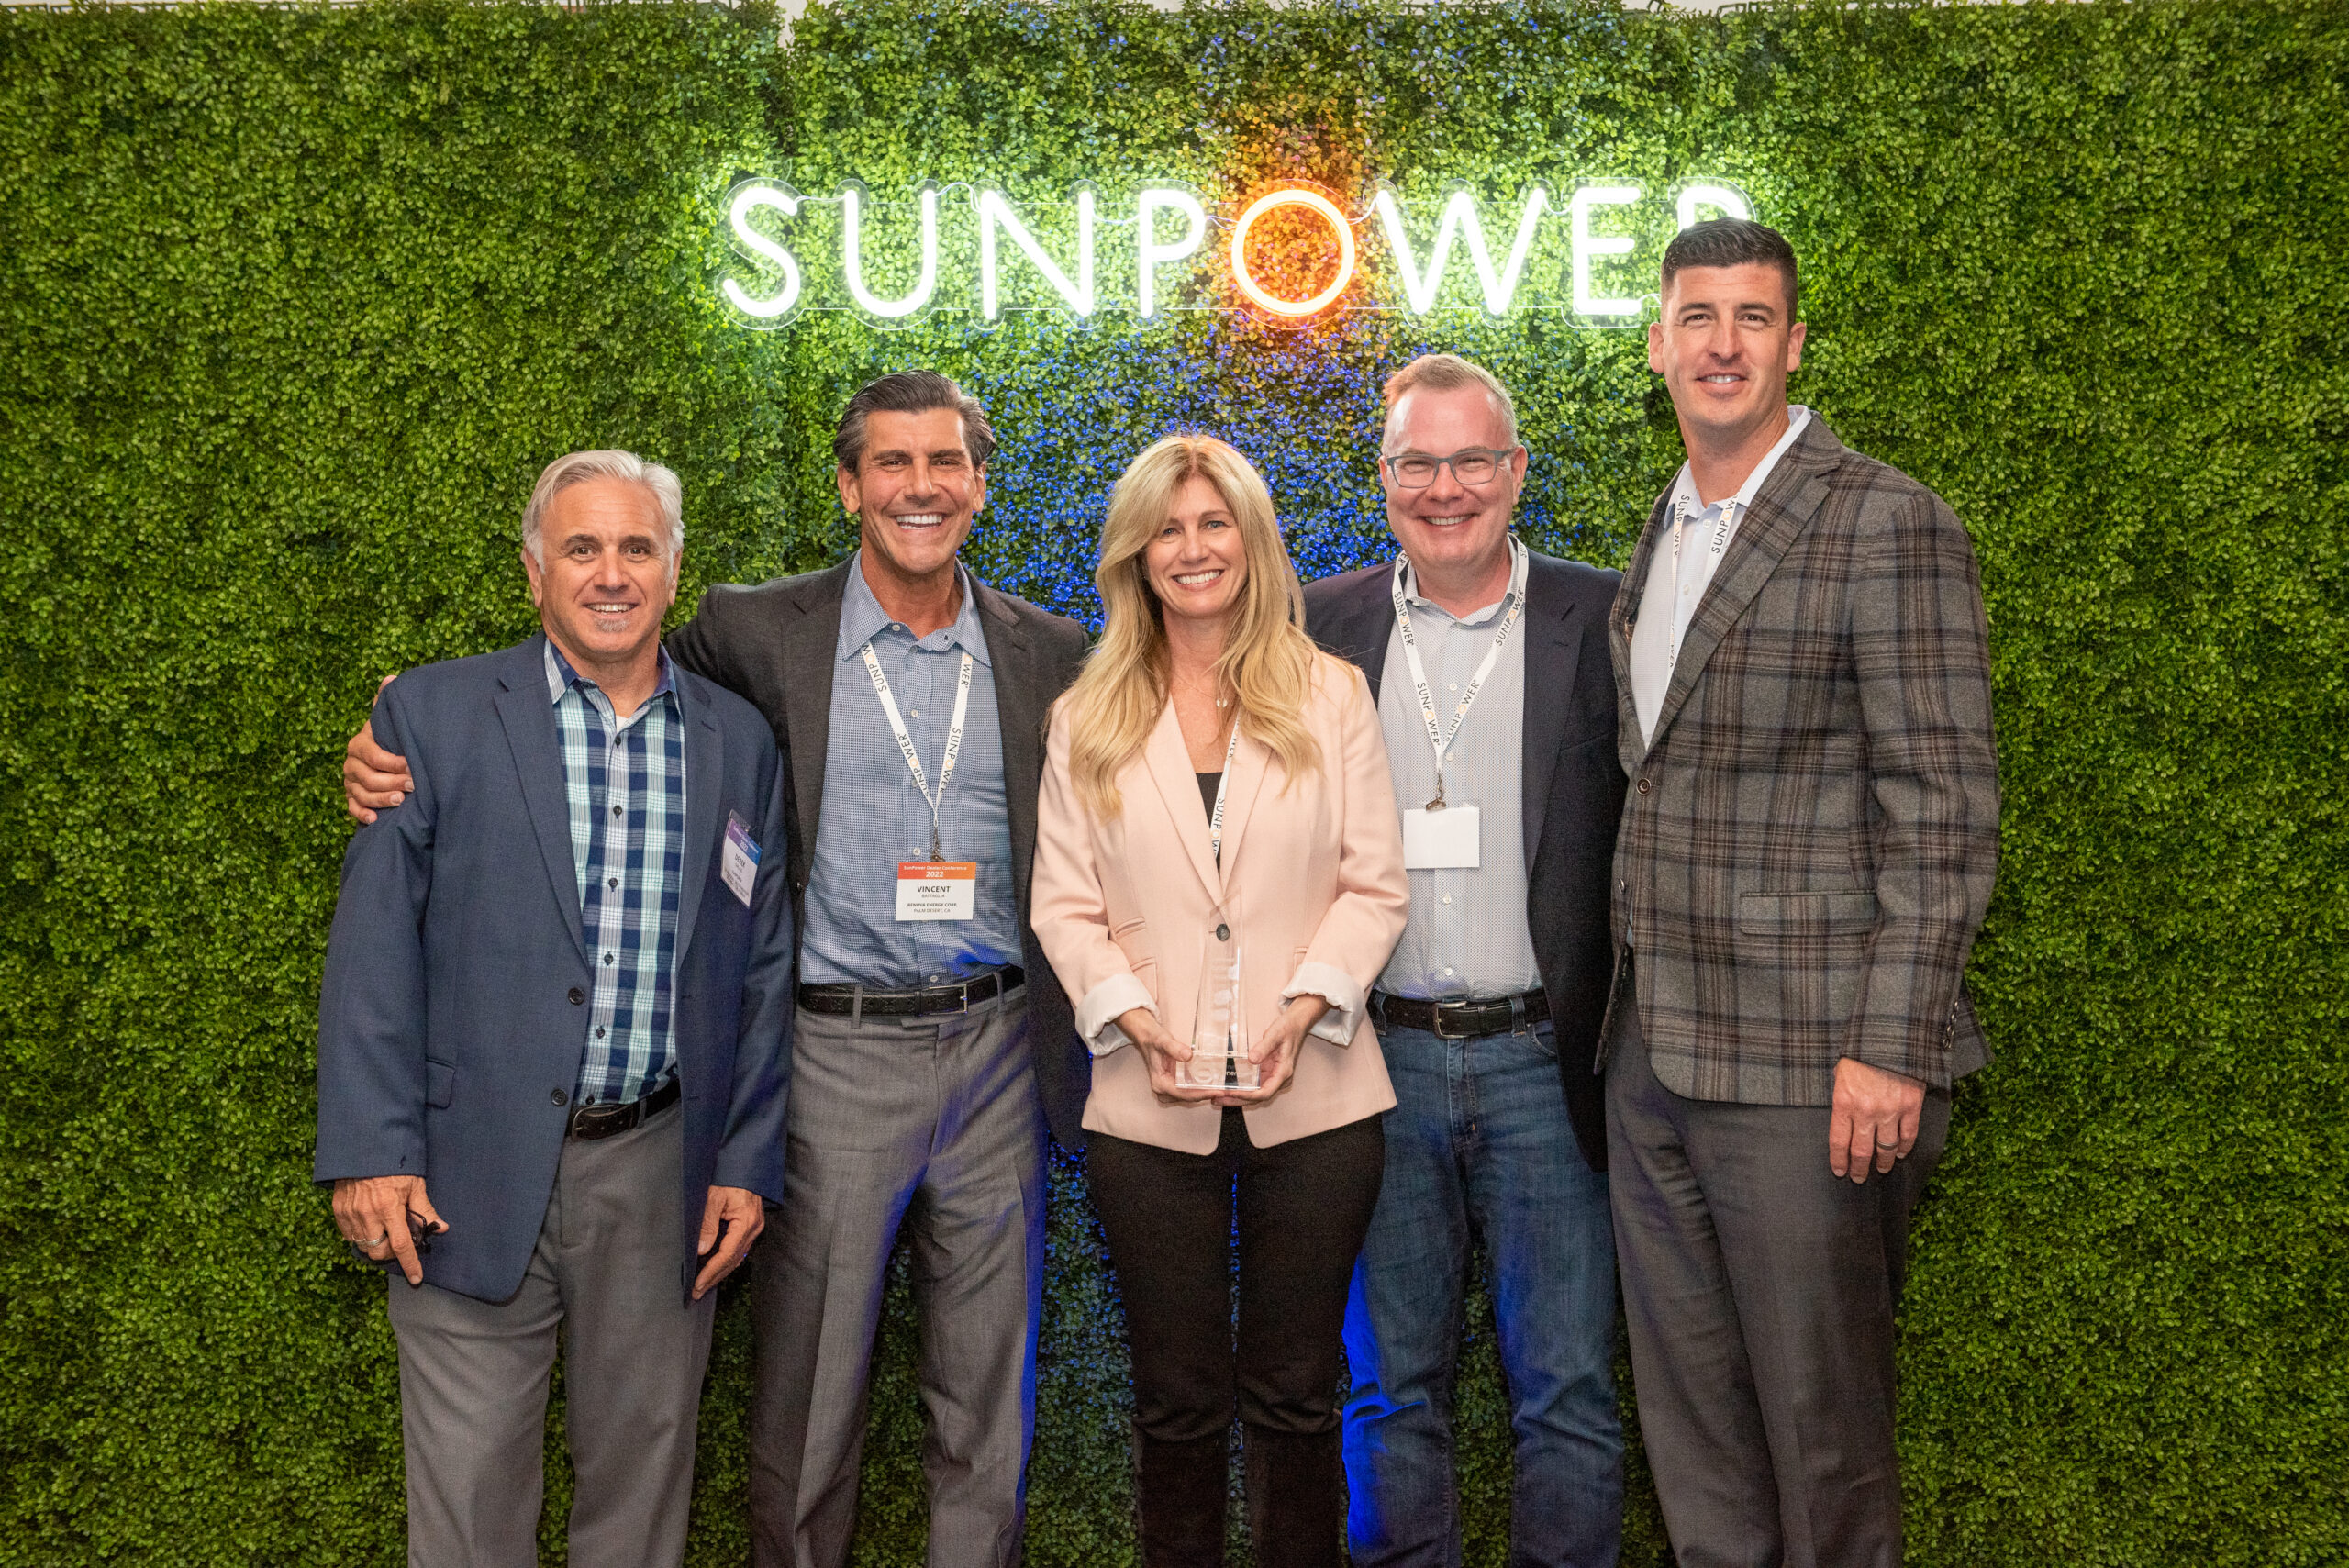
863,619
560,676
1518,562
1683,489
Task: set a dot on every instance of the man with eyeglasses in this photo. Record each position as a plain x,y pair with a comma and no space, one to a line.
1489,666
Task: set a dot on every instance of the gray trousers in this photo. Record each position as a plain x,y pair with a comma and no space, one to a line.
932,1124
473,1376
1760,1290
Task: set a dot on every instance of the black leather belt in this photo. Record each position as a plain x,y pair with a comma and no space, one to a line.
602,1121
851,1001
1461,1020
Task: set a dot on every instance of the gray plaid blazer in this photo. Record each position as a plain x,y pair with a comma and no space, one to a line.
1808,844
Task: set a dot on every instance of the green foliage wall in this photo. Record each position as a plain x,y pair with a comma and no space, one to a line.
294,303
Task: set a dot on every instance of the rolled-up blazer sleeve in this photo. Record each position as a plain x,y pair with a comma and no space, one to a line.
1358,933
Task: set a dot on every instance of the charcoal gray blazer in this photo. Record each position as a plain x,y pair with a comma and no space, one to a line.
774,643
1810,839
1573,790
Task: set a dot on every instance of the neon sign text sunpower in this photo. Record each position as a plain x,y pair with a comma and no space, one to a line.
1555,251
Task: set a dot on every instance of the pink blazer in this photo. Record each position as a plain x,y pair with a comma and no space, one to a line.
1312,875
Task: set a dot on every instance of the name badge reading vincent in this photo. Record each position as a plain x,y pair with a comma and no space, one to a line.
937,890
739,864
1439,840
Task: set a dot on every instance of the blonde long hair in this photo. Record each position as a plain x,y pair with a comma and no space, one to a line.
1267,661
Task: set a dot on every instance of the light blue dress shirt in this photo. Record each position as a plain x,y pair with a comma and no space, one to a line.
873,816
1466,939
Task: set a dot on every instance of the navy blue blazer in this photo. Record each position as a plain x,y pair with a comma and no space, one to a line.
453,1017
1573,789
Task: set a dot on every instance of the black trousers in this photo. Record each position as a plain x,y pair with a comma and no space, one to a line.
1303,1206
1760,1289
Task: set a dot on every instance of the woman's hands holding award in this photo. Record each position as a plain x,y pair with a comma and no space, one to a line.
1270,1062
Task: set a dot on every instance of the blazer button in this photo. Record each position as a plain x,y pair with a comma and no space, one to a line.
579,997
556,1096
1643,786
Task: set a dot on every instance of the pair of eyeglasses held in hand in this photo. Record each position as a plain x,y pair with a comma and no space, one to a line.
1470,465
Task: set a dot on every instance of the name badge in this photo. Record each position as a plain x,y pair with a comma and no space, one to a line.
738,865
937,890
1439,840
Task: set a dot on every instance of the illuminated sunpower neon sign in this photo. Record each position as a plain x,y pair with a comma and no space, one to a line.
1560,253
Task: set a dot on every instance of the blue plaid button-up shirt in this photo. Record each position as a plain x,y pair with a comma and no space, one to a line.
625,781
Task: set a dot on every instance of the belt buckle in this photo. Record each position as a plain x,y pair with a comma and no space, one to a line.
1441,1033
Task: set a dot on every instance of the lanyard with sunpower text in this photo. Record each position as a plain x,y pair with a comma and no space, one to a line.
906,741
1441,741
1222,784
1721,527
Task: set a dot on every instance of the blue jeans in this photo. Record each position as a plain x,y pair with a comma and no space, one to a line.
1479,1145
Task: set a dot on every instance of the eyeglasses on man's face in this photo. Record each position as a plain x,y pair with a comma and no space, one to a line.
1469,465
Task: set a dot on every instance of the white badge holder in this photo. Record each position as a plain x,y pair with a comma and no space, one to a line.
1218,1023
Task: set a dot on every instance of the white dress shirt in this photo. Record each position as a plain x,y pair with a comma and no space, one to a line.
1667,606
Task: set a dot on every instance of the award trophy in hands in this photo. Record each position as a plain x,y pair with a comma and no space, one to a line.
1218,1031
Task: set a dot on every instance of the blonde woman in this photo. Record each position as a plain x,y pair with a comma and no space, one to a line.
1218,880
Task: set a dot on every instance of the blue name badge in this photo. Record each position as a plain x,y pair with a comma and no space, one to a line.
740,865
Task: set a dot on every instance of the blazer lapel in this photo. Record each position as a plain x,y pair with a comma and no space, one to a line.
1023,692
1169,766
809,642
1784,508
1552,653
704,765
1620,618
1359,629
529,719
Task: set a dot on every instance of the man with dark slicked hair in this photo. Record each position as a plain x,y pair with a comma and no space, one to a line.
1807,850
935,1045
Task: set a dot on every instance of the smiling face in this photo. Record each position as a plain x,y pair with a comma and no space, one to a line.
1454,533
1725,346
913,491
1197,564
607,576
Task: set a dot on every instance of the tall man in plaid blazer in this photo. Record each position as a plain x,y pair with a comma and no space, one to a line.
1807,850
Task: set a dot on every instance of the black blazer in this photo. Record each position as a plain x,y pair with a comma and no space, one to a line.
1573,789
774,643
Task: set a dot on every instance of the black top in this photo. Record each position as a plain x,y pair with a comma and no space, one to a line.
1208,784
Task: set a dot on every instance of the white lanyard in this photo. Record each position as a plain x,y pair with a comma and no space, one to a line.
906,741
1222,784
1436,737
1721,542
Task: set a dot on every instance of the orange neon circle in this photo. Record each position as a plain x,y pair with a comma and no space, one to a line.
1258,209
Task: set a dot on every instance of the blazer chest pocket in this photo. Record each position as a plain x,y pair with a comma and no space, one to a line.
1845,913
439,1084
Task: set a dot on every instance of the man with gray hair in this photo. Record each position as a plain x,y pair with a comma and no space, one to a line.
934,1046
553,1038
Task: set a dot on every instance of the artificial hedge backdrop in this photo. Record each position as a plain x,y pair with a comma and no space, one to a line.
293,304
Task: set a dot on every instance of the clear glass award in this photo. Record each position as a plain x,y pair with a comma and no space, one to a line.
1218,1024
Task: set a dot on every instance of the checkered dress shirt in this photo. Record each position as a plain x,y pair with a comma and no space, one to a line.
625,781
